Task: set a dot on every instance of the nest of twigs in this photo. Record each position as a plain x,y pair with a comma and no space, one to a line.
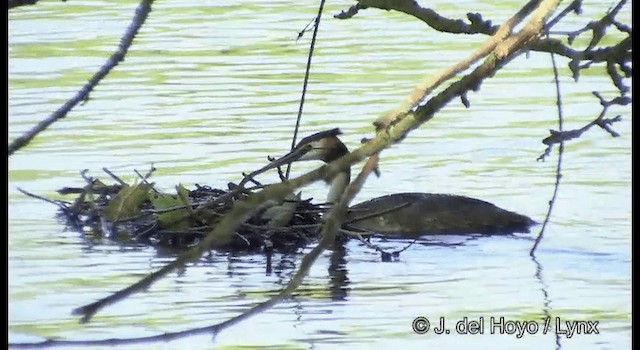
142,214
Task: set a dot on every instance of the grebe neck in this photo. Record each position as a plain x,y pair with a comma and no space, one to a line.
338,185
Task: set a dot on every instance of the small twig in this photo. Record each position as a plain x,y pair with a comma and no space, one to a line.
598,27
146,176
616,78
305,29
384,255
147,232
88,180
151,170
306,81
621,27
351,11
574,6
70,190
281,174
57,203
406,247
545,154
250,178
559,166
256,187
356,234
114,176
604,123
243,238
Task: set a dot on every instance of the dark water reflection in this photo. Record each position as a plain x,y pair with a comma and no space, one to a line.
338,272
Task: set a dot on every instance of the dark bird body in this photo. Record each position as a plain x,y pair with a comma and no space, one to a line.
434,214
406,214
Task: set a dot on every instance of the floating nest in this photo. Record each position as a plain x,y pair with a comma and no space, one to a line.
142,214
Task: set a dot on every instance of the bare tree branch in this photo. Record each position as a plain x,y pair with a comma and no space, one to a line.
504,52
141,14
432,82
604,123
430,17
619,54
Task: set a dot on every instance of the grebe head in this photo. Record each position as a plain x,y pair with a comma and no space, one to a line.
324,146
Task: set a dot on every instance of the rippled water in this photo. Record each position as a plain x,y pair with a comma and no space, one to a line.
207,92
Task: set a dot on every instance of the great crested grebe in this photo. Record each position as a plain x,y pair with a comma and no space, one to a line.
406,214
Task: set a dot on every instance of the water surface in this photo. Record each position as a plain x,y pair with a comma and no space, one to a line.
208,92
